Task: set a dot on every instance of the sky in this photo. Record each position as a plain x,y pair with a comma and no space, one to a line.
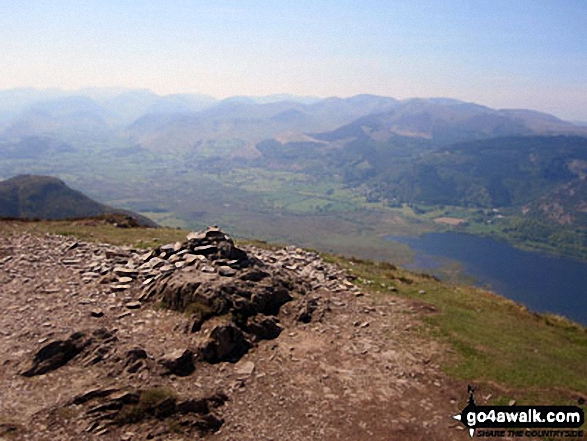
503,54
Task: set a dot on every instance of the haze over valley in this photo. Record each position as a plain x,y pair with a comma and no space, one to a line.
364,166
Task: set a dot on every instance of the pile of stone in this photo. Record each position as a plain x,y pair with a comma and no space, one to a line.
229,300
232,295
237,292
212,252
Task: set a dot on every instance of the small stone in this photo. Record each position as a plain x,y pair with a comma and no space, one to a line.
512,403
180,363
146,256
124,271
421,292
97,313
244,369
168,248
133,305
205,249
226,271
191,258
124,280
196,235
118,287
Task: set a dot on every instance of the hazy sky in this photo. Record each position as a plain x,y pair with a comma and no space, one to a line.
512,53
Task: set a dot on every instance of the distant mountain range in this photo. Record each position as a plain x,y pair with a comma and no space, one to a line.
177,122
45,197
187,158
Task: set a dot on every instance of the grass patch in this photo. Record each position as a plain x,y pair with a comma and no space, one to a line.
496,340
97,231
146,407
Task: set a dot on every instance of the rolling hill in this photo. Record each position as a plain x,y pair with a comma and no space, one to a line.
45,197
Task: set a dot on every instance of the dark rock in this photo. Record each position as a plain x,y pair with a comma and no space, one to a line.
57,353
208,423
105,407
136,354
217,400
268,299
227,250
193,406
133,305
135,360
180,363
165,408
92,395
126,397
226,343
254,275
264,327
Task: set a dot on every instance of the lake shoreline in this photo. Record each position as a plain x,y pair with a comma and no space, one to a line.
542,281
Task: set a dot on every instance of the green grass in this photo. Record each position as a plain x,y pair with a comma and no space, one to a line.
98,231
497,342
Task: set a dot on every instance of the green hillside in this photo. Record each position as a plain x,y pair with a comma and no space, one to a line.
45,197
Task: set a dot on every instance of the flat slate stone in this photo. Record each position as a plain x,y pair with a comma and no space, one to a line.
226,271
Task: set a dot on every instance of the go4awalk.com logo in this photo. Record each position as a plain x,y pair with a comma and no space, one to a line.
521,421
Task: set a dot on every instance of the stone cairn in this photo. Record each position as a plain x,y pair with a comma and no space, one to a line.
239,291
234,298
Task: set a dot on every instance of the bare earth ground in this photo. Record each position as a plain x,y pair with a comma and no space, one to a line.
361,371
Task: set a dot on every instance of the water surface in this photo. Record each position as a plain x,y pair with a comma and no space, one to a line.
541,281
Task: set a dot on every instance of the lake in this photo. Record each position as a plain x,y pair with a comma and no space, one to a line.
543,282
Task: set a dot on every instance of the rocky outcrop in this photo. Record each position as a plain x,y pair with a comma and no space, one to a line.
92,347
56,354
110,408
162,330
180,363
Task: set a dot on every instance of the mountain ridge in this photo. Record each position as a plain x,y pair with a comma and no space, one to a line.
46,197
